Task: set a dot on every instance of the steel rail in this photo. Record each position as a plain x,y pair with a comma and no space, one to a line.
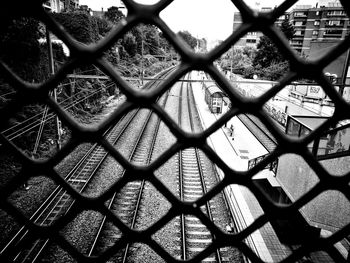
255,126
181,186
99,233
200,170
149,158
22,235
60,192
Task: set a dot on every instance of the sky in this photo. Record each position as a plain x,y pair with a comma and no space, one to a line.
211,19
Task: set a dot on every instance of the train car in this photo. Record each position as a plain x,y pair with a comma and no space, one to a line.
214,97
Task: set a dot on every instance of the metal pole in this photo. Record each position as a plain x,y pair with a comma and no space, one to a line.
142,57
231,62
52,71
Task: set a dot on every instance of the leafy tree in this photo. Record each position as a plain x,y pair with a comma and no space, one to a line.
114,15
275,71
80,25
249,52
153,41
19,46
103,26
237,60
188,38
267,53
129,44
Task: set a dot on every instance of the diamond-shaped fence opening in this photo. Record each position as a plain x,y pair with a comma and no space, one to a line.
200,23
273,210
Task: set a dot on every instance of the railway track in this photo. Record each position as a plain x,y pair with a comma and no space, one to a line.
25,246
193,184
127,203
258,129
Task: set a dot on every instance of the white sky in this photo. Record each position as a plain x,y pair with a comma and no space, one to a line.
211,19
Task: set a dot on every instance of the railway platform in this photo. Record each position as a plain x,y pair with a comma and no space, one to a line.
236,151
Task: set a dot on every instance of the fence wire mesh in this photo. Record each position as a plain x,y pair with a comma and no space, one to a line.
149,14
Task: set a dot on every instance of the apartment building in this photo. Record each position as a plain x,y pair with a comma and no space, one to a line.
57,6
327,21
251,38
322,23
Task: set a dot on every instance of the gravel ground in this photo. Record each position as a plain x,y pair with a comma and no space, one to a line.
156,204
27,201
40,187
81,230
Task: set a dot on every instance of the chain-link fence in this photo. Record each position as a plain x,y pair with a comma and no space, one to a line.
27,93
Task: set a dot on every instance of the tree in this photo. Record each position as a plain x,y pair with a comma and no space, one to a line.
267,52
188,38
19,46
80,25
114,15
129,44
103,26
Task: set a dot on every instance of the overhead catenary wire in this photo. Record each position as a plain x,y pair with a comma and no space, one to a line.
41,128
51,116
6,94
33,125
37,115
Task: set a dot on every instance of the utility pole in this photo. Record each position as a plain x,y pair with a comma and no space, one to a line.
52,72
231,62
142,56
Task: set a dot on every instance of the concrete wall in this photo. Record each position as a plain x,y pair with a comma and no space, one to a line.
330,210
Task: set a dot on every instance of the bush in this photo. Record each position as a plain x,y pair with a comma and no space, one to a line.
249,72
19,47
275,71
80,25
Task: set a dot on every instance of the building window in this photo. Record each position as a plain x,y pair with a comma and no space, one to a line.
334,23
317,13
251,41
332,33
335,13
299,14
299,23
317,23
315,33
298,33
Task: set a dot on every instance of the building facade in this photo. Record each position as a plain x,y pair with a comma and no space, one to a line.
318,24
57,6
251,38
324,22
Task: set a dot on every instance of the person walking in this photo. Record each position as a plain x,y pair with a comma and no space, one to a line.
232,131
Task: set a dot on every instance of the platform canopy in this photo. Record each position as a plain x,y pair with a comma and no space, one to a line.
311,122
